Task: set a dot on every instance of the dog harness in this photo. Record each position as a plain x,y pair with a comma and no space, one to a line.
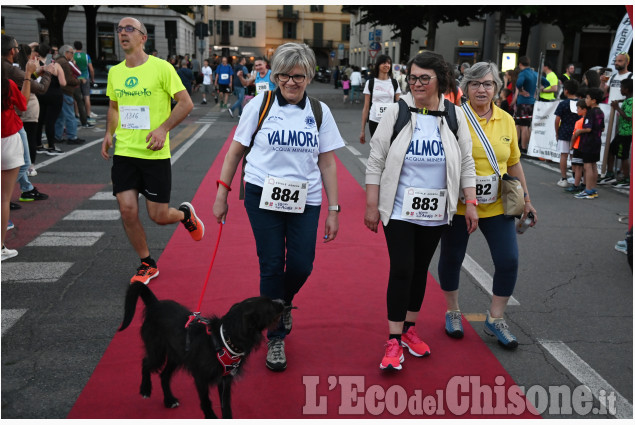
226,356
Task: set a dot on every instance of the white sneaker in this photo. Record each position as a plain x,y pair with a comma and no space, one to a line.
571,180
31,172
93,115
8,253
230,113
563,183
621,246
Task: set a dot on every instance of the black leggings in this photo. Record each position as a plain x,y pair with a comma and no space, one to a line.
410,248
372,126
50,108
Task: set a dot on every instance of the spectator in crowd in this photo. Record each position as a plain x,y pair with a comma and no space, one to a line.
591,142
577,163
346,86
454,93
12,155
566,76
524,101
356,84
548,93
196,71
564,123
464,67
50,106
504,102
86,78
612,85
67,117
621,145
51,54
379,92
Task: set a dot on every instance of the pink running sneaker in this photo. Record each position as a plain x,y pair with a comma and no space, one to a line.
413,343
393,357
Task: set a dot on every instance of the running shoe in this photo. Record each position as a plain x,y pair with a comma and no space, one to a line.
8,253
500,330
608,178
621,247
414,344
622,183
586,194
145,273
192,223
54,151
93,115
41,149
287,320
563,183
573,189
31,172
14,206
393,357
276,359
231,113
33,195
454,324
10,225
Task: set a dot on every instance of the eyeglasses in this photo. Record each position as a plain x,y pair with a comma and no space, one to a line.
129,28
487,85
423,79
298,78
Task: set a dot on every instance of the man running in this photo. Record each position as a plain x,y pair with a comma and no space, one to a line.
140,91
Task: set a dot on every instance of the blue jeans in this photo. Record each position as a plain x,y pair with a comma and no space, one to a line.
240,93
23,179
356,93
67,119
500,234
282,239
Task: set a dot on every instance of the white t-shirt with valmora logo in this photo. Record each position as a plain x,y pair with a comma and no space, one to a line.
288,144
383,96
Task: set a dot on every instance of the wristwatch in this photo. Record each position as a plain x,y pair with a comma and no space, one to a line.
335,208
471,201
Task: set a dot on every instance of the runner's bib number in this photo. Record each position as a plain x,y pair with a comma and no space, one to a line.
284,195
224,76
380,108
135,117
424,204
486,189
260,87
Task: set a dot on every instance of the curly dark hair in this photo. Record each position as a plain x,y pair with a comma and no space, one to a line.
435,62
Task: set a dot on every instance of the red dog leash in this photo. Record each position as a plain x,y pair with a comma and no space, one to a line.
196,315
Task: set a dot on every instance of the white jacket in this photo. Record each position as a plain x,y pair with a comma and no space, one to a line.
385,161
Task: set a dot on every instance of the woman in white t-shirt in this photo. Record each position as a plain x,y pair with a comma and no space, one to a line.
412,188
379,93
207,80
291,156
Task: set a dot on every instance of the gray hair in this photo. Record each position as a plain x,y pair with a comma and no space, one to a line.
478,71
65,48
290,55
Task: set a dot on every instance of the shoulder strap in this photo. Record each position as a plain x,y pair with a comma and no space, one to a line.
491,156
453,124
262,114
394,87
403,118
316,106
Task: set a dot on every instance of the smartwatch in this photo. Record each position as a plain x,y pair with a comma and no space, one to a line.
335,208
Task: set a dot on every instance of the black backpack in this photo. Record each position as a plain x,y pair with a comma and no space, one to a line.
403,118
262,114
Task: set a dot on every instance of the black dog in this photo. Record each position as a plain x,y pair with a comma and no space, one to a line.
210,349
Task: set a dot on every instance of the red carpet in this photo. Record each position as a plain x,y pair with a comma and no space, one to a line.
337,341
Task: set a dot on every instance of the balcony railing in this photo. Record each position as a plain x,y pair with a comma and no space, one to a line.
291,15
318,43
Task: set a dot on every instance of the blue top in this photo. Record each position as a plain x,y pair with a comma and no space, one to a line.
224,71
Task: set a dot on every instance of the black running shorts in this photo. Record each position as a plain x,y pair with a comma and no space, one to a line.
151,177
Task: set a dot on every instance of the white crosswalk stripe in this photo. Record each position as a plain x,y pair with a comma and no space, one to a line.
103,196
41,272
85,215
66,239
10,317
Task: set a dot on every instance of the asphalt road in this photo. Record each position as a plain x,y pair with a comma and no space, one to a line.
573,313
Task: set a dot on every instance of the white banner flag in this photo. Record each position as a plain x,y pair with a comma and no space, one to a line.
623,40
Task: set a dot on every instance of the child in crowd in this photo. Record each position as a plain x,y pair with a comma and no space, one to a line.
621,144
504,104
591,142
576,157
566,118
346,85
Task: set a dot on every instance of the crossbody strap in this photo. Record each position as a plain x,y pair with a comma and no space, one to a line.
489,151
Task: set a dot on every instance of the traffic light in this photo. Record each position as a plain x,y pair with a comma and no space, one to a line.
201,30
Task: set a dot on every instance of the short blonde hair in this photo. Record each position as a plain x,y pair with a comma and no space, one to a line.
290,55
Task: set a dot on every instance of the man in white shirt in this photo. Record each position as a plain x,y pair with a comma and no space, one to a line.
207,80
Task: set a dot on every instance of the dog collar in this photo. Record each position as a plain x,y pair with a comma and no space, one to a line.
229,359
228,344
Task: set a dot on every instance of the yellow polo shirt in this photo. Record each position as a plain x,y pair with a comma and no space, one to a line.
501,133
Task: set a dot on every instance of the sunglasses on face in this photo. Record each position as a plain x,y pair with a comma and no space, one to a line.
128,28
